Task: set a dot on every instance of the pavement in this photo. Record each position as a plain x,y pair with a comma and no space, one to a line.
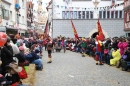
71,69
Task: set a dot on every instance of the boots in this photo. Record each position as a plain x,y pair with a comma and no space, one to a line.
50,60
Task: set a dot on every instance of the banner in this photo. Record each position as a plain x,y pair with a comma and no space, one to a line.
100,32
74,30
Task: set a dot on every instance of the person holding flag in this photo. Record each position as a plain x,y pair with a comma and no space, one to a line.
99,46
99,51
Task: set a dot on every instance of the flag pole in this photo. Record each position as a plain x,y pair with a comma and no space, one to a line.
52,17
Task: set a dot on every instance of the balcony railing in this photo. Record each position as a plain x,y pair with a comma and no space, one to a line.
126,4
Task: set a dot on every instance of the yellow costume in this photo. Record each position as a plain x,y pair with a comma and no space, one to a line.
116,56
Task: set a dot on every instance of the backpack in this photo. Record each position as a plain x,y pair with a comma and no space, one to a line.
23,74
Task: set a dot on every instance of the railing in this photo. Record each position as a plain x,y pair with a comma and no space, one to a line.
126,3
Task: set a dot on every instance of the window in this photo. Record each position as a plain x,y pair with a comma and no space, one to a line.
6,13
104,14
10,15
112,14
127,17
67,15
79,14
23,3
100,14
108,14
87,14
63,14
91,14
22,19
75,15
120,14
83,14
71,14
116,14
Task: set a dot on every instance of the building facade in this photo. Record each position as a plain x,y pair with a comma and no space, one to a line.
127,17
85,14
13,21
35,14
21,17
42,18
49,9
4,15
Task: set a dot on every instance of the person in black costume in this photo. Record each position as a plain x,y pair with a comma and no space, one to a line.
6,55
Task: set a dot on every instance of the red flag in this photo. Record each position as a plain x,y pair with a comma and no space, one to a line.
74,29
100,33
46,32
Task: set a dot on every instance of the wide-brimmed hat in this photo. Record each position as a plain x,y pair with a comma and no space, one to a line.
15,67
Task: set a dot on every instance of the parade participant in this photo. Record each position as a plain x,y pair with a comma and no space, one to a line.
98,51
49,49
45,43
6,55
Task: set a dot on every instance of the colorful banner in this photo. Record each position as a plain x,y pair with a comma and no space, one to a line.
74,30
100,32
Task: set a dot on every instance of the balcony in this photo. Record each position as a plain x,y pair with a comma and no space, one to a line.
7,1
126,4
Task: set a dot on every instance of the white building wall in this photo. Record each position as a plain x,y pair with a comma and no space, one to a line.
81,4
22,11
12,9
35,10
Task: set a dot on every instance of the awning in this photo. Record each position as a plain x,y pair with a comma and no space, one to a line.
2,29
11,28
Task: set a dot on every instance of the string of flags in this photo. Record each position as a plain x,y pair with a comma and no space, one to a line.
83,8
90,8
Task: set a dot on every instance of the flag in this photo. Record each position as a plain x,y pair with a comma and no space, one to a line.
74,30
100,33
46,31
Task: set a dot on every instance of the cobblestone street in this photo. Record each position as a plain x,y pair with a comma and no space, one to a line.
71,69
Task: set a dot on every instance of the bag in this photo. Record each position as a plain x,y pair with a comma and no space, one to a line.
124,56
22,74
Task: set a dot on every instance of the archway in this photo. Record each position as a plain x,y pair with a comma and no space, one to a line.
94,31
94,35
